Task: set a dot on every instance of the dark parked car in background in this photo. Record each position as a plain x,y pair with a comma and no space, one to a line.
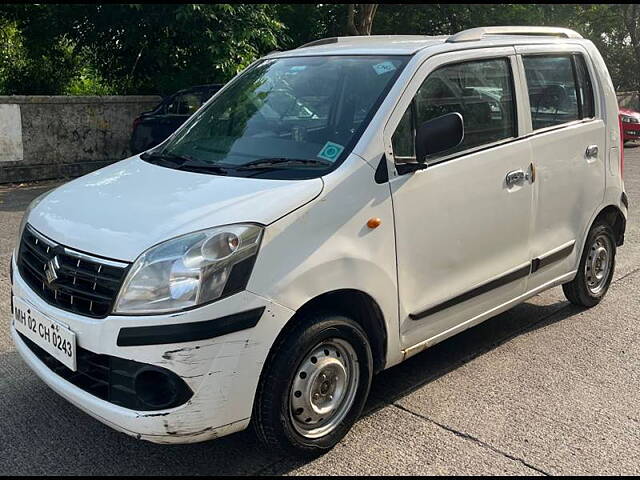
151,128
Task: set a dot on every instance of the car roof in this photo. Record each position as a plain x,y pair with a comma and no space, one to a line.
366,45
378,44
411,44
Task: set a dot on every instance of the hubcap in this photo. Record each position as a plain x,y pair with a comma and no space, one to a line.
598,264
324,388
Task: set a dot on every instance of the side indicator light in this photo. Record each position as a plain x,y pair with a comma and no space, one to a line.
374,223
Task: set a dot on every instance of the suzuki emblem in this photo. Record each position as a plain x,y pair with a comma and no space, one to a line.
51,270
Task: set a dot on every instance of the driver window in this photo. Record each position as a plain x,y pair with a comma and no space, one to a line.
552,90
481,91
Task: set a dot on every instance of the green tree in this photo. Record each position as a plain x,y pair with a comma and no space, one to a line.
165,47
446,19
146,48
615,30
28,63
305,22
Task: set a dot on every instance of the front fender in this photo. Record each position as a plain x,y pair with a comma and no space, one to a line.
326,245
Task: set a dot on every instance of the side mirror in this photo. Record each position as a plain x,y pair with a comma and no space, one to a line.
438,135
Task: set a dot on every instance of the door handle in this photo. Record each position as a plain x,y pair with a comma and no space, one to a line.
591,152
515,177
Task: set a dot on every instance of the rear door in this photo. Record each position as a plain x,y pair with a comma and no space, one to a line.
462,229
568,141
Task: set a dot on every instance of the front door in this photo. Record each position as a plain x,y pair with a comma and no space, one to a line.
462,224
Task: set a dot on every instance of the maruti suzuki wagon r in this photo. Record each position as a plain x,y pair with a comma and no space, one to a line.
330,212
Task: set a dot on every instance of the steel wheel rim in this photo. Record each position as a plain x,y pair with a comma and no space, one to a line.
324,388
598,265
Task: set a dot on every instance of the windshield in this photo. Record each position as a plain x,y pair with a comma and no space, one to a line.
284,118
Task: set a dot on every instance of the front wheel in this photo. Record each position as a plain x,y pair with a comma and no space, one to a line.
314,385
596,268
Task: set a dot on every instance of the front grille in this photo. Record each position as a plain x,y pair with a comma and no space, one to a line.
84,285
109,378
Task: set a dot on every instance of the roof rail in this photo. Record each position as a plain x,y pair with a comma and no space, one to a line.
474,34
323,41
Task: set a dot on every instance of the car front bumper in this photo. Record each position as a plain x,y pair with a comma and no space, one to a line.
223,372
631,131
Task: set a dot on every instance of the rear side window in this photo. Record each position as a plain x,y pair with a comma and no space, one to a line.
560,89
481,91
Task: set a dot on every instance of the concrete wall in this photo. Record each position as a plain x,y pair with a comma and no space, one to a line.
43,137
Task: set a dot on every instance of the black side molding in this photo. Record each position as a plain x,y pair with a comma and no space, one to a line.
535,265
188,332
546,260
498,282
624,200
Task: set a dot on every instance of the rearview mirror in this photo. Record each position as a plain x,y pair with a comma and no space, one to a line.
438,135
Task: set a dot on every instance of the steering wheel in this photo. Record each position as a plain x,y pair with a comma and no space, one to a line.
282,101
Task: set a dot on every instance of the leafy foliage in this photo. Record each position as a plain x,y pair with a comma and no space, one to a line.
615,30
147,48
140,48
27,68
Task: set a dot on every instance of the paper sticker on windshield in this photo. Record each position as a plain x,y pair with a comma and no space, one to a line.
384,67
331,151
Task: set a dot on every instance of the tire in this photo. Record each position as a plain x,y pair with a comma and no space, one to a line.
320,343
588,288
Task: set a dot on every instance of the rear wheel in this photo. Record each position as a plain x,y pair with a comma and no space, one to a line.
596,268
314,385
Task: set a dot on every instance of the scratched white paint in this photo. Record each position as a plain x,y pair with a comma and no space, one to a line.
10,134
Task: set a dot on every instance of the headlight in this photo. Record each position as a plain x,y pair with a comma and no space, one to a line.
190,270
630,119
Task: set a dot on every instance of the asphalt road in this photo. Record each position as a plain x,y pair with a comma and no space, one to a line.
545,388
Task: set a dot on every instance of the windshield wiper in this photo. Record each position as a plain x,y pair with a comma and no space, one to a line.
164,157
266,163
183,162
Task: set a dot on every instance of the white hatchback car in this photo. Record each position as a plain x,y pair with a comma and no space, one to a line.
332,211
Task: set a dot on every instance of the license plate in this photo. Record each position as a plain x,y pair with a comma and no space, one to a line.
51,336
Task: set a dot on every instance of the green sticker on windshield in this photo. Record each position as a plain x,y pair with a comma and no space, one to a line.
330,151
